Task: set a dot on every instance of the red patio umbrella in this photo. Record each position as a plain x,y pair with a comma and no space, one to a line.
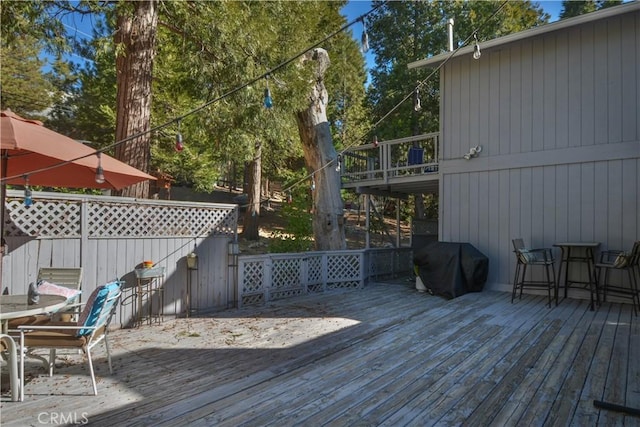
50,159
47,158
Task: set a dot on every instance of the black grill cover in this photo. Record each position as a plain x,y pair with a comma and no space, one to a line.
451,269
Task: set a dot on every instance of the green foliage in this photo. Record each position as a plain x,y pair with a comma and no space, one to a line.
376,224
209,49
207,52
431,206
579,7
33,20
299,230
347,111
25,90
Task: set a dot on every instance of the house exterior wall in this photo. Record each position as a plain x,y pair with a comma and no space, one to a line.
558,119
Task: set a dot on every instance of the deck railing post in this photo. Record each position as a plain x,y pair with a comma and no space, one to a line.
267,278
84,231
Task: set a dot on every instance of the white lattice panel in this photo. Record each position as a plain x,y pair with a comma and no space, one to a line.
286,293
111,219
55,216
252,277
45,218
253,299
314,270
343,285
269,277
343,266
286,273
317,288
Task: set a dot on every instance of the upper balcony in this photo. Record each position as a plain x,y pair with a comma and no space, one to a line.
400,166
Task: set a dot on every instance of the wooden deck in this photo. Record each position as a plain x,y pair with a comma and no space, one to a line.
384,355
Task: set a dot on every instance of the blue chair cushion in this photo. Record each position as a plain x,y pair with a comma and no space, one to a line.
95,306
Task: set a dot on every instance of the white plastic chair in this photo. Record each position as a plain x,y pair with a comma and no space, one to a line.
91,328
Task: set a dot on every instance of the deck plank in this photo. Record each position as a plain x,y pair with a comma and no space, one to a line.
619,366
593,388
383,355
360,362
573,383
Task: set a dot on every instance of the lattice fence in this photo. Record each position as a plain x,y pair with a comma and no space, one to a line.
52,216
385,263
47,218
269,277
110,236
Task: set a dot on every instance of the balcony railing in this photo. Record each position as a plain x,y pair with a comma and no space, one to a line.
416,155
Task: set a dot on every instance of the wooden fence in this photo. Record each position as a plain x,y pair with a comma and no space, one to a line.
110,236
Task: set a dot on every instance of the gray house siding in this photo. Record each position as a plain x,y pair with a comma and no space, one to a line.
558,118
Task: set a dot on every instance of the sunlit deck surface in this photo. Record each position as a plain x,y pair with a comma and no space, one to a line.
383,355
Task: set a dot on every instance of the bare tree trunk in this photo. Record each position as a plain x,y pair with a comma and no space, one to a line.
136,36
251,225
317,144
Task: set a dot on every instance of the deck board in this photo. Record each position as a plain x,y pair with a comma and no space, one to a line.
383,355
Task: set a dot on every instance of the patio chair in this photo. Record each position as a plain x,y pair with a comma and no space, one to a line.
614,260
8,347
65,279
541,257
91,328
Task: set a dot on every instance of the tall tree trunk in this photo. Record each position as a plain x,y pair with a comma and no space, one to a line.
136,37
317,144
251,225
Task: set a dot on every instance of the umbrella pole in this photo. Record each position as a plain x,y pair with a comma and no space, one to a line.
3,195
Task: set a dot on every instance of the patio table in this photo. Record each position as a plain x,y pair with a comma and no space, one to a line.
15,306
583,254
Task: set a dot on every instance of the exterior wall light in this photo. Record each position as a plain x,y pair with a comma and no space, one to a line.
473,152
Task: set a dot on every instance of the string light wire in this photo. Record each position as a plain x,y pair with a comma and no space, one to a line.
210,102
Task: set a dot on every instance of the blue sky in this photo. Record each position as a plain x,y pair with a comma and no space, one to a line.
356,8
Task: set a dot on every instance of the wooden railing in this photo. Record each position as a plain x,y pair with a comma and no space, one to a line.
416,155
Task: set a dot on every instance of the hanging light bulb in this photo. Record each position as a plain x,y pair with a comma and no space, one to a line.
268,101
99,170
339,163
364,38
313,182
179,144
375,141
28,201
416,100
476,47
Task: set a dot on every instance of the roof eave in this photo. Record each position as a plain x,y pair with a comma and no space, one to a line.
532,32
